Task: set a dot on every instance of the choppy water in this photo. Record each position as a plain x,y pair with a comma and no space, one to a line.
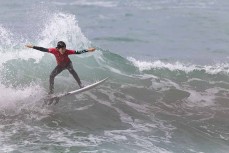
169,76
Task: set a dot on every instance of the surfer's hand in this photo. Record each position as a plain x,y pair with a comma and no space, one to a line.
29,46
91,49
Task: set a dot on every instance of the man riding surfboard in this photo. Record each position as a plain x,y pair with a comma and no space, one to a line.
63,61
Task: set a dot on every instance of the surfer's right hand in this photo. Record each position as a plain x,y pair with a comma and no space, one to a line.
91,49
29,46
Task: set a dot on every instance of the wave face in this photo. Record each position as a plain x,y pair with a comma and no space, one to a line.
146,106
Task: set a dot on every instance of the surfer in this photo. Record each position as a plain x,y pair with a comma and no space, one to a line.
63,61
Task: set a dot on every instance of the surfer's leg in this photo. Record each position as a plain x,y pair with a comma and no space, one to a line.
54,73
74,74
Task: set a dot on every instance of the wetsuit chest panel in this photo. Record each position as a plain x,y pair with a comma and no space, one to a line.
61,59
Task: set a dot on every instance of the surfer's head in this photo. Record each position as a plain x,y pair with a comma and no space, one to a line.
61,46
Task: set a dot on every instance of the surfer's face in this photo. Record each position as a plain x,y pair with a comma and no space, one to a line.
62,50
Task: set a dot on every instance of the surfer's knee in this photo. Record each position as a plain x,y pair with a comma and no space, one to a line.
72,71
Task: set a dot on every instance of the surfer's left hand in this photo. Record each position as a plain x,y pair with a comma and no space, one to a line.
91,49
29,46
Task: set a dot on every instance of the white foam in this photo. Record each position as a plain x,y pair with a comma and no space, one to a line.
5,45
13,48
7,148
63,137
178,66
12,100
61,26
145,65
5,37
84,107
174,4
202,99
94,3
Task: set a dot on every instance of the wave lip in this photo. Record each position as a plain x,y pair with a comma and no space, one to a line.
178,66
62,26
94,3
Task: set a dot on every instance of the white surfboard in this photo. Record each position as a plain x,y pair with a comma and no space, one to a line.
49,100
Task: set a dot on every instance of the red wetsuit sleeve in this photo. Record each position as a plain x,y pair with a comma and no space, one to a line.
69,52
52,50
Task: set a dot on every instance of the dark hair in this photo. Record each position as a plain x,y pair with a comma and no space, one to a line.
61,44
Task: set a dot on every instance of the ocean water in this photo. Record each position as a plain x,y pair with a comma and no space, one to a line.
167,63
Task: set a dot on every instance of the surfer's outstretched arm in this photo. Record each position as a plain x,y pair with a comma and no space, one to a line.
41,49
38,48
80,51
85,50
